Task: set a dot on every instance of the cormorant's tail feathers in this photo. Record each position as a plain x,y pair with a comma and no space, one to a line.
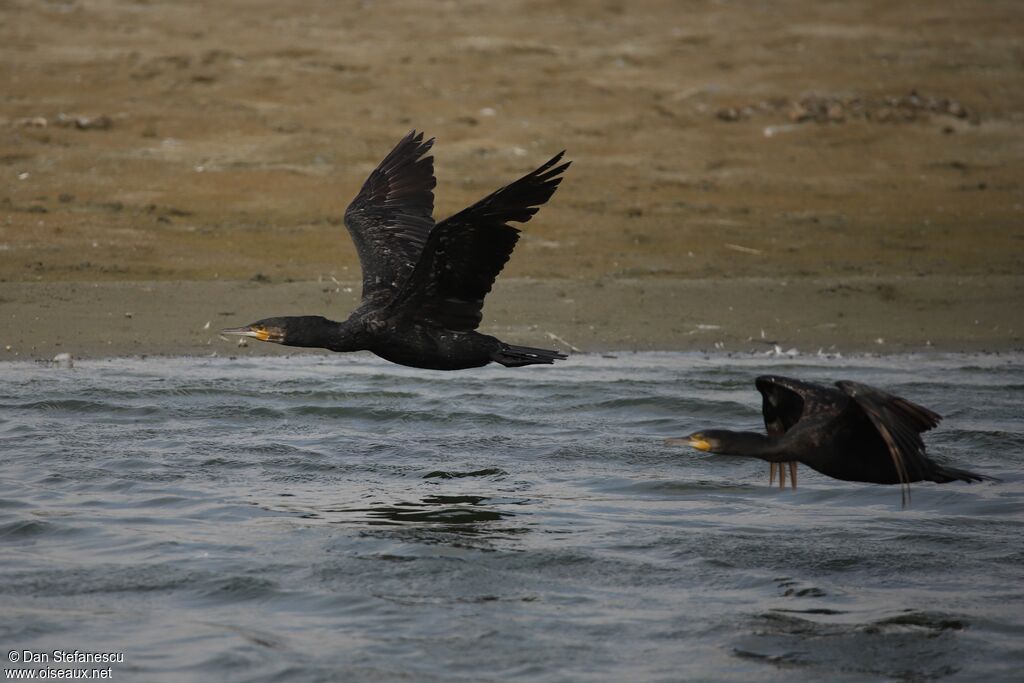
944,475
518,356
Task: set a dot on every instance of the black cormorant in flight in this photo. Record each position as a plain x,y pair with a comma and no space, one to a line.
852,431
424,283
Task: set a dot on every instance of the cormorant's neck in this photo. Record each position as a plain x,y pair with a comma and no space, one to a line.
752,444
315,331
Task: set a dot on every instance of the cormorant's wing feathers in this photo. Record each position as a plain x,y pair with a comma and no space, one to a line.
899,422
915,416
465,252
785,401
391,217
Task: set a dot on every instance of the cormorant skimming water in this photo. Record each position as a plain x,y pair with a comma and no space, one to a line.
424,284
853,432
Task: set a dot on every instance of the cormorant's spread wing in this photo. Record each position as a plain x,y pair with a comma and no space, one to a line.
465,252
900,423
391,217
785,401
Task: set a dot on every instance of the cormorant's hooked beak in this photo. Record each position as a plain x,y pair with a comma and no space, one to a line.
699,444
256,332
693,440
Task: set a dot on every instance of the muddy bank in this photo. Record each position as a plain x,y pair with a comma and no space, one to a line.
867,146
160,142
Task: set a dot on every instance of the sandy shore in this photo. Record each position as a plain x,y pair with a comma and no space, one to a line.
865,314
830,173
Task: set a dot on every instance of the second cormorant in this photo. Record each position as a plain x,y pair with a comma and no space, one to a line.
424,283
852,431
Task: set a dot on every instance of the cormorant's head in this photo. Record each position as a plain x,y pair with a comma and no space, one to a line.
709,440
268,330
292,330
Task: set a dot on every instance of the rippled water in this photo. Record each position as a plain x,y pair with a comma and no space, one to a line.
318,518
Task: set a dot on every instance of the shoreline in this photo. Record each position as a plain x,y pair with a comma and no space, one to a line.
878,315
160,187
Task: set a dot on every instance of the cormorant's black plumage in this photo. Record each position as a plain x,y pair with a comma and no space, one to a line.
852,432
424,284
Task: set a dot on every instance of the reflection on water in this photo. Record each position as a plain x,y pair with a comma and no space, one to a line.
490,471
447,510
313,518
460,512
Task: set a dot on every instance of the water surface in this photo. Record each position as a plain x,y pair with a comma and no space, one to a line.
318,518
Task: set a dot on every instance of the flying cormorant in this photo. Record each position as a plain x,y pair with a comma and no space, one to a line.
852,432
424,283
